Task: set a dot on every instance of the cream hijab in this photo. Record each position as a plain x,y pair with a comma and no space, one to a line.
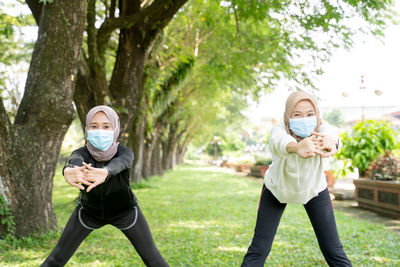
114,120
291,102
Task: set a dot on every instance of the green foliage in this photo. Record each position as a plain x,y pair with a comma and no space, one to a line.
214,148
385,167
262,161
192,153
245,47
334,117
227,143
12,46
6,217
232,141
200,217
14,49
368,140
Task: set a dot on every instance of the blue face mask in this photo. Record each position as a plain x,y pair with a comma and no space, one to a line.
303,127
100,139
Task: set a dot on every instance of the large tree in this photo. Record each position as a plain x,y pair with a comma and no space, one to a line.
30,144
137,26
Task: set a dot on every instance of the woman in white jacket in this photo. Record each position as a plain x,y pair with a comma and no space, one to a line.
299,148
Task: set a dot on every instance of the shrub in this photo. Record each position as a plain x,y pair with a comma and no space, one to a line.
263,162
6,218
385,167
368,140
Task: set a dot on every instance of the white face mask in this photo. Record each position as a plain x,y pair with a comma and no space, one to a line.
100,139
303,127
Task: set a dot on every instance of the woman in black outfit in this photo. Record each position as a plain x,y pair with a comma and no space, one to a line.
100,170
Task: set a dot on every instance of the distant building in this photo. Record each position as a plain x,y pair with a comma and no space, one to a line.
352,114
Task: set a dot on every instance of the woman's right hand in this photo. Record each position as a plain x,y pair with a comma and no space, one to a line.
75,177
306,148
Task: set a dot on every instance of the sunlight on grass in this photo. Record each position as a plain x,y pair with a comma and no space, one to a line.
202,224
201,217
222,248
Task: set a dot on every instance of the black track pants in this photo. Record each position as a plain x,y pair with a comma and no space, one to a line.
320,212
132,223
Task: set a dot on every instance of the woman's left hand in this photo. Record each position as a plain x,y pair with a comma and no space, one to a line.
324,142
95,175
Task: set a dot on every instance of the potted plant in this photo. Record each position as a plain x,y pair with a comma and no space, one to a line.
369,145
380,192
260,167
367,140
330,178
243,166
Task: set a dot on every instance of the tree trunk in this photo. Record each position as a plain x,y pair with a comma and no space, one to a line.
127,78
136,142
181,155
148,169
43,117
156,165
146,161
178,155
182,151
167,154
164,155
83,98
173,155
182,148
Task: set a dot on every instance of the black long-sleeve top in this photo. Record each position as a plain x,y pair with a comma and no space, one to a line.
114,196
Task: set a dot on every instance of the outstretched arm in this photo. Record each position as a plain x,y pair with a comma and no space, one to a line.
77,157
123,161
280,141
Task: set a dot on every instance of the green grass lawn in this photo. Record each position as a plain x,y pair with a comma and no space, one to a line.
200,217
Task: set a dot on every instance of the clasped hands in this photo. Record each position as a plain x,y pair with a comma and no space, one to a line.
86,175
316,144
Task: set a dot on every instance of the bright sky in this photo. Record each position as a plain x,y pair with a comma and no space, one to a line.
378,62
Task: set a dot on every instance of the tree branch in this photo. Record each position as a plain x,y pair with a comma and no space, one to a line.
36,9
112,8
91,32
163,13
236,21
156,15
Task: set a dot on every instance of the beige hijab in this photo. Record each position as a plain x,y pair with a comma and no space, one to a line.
291,102
114,120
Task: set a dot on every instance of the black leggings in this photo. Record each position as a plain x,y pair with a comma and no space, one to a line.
320,212
132,223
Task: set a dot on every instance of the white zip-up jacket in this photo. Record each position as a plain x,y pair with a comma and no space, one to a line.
291,178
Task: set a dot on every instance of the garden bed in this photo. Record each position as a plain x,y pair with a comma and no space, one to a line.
258,171
379,196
